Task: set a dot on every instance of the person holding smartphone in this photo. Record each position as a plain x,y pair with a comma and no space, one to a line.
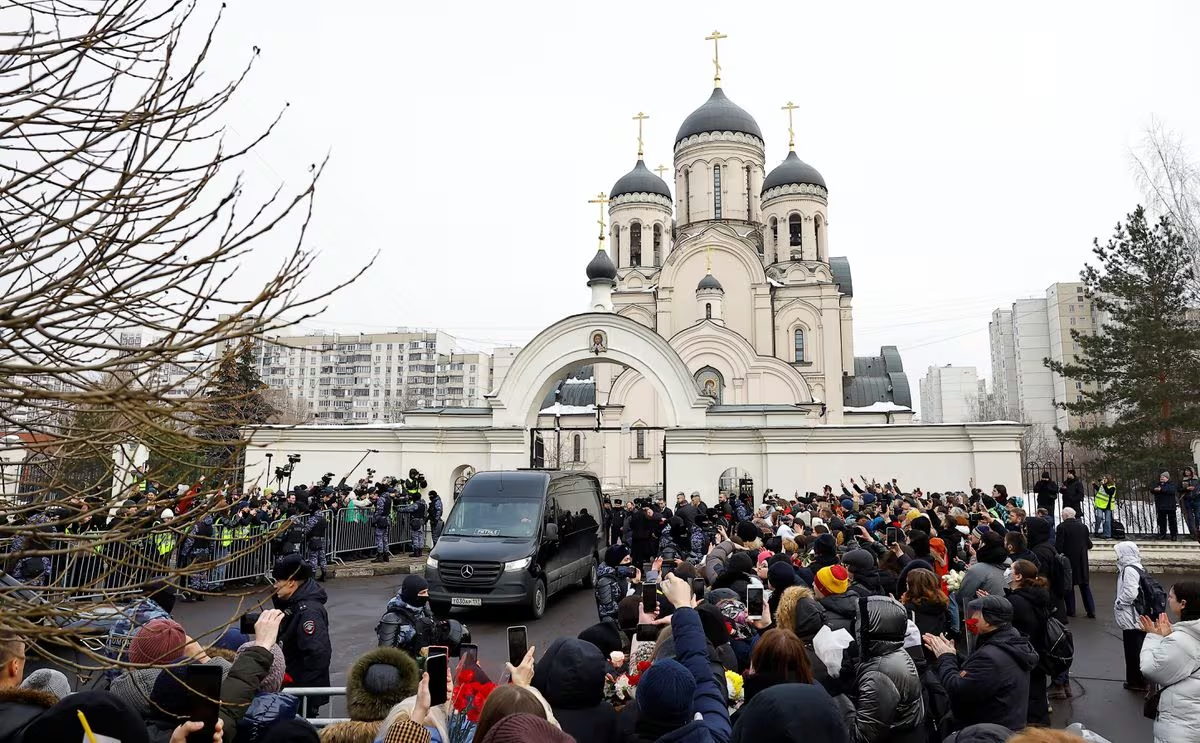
613,579
305,633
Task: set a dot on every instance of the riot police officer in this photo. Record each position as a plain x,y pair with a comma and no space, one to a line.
415,511
435,516
381,520
315,525
408,622
304,633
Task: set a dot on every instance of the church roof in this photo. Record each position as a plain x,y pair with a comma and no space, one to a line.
639,180
793,171
718,114
576,389
878,379
709,282
601,267
839,266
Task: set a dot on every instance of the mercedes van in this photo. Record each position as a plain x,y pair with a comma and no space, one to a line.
515,539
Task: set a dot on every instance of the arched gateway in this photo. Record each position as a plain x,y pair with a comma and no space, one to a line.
588,338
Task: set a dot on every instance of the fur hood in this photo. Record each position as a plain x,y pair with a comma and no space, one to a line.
367,700
351,731
19,707
28,697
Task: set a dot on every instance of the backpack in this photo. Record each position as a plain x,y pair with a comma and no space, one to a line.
1118,530
1151,599
1057,649
1066,572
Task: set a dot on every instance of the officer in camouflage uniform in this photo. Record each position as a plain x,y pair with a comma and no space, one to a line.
315,525
32,570
197,548
381,519
435,516
415,510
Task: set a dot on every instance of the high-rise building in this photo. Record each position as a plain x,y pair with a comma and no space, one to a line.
1068,309
950,394
502,359
1004,365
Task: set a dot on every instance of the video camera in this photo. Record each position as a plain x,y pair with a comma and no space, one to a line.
250,618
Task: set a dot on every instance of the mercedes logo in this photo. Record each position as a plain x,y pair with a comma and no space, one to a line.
467,571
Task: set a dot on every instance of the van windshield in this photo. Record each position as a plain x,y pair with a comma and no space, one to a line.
494,517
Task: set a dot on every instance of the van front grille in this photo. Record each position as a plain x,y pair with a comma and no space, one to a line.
480,573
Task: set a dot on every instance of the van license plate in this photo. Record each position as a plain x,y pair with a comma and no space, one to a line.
462,601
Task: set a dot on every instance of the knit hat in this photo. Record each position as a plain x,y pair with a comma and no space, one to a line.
231,639
912,514
377,681
603,635
615,554
825,545
832,580
781,575
292,730
291,567
159,641
107,715
665,692
48,680
712,621
847,504
525,727
858,561
995,609
748,532
1164,474
763,556
273,681
741,562
413,585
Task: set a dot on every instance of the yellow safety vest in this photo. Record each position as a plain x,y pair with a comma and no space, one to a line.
165,542
1104,499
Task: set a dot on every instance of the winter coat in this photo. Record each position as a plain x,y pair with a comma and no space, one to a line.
982,575
874,582
1047,494
612,585
1173,662
992,684
304,636
929,617
841,612
1164,499
690,648
890,704
1041,543
570,675
237,692
790,713
1128,557
265,711
1073,493
134,686
1073,539
1031,606
19,707
715,561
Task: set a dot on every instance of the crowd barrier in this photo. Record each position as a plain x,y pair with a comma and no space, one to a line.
92,565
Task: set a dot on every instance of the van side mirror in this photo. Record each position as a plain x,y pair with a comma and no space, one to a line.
550,533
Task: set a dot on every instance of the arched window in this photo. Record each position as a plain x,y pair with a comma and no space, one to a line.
799,345
817,224
577,449
716,192
708,310
711,383
687,196
794,222
775,237
658,245
616,244
749,204
635,244
641,443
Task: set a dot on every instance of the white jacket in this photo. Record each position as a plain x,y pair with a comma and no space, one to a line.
1174,663
1128,557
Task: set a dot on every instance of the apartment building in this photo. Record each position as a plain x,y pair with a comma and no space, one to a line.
950,394
1004,364
1067,309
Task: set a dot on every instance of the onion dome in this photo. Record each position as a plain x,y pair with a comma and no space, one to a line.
640,180
709,283
793,172
718,114
601,267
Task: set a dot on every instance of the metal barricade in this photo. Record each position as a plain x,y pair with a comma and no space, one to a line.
241,554
304,692
350,533
399,533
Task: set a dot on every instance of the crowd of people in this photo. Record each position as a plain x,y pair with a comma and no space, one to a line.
868,615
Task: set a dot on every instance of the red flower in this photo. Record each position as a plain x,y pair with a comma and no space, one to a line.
642,666
466,676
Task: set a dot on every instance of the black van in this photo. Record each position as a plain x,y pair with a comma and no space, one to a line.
515,538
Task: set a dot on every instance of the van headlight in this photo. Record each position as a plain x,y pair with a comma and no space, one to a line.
515,565
431,562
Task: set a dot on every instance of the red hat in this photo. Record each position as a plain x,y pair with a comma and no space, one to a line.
158,642
832,580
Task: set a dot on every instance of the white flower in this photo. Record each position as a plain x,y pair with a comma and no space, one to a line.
954,579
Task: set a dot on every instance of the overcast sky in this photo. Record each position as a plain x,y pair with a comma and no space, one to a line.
972,151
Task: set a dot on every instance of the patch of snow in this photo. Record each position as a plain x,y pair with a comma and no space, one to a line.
879,407
573,380
775,282
559,409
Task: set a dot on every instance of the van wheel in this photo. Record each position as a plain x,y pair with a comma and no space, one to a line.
589,578
537,604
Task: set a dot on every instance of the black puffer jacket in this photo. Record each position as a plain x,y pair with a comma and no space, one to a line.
19,707
992,684
571,678
890,704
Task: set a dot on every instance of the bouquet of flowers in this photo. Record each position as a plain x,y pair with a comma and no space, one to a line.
735,687
620,690
954,579
469,698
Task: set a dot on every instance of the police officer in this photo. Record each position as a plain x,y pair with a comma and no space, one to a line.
304,633
197,548
315,525
435,516
408,622
381,520
414,484
415,511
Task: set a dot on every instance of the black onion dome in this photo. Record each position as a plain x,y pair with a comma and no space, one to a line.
718,114
709,282
793,171
601,267
639,180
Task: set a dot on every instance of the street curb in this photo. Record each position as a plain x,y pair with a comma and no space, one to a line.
370,570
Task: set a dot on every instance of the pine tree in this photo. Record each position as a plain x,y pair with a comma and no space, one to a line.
235,399
1143,367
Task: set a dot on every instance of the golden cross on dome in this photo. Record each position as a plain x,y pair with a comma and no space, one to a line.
639,119
791,134
716,40
708,260
601,199
660,170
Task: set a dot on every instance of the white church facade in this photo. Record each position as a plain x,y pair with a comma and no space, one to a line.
717,351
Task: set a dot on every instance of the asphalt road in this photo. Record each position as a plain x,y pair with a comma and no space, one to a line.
355,605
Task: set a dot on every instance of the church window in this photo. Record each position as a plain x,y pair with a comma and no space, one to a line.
617,244
799,345
794,231
687,196
708,310
716,192
635,244
817,224
641,443
658,244
749,208
774,233
577,449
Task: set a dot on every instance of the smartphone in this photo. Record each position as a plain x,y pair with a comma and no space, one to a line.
646,568
439,650
203,688
648,632
649,597
893,535
518,644
698,587
754,602
437,667
468,653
